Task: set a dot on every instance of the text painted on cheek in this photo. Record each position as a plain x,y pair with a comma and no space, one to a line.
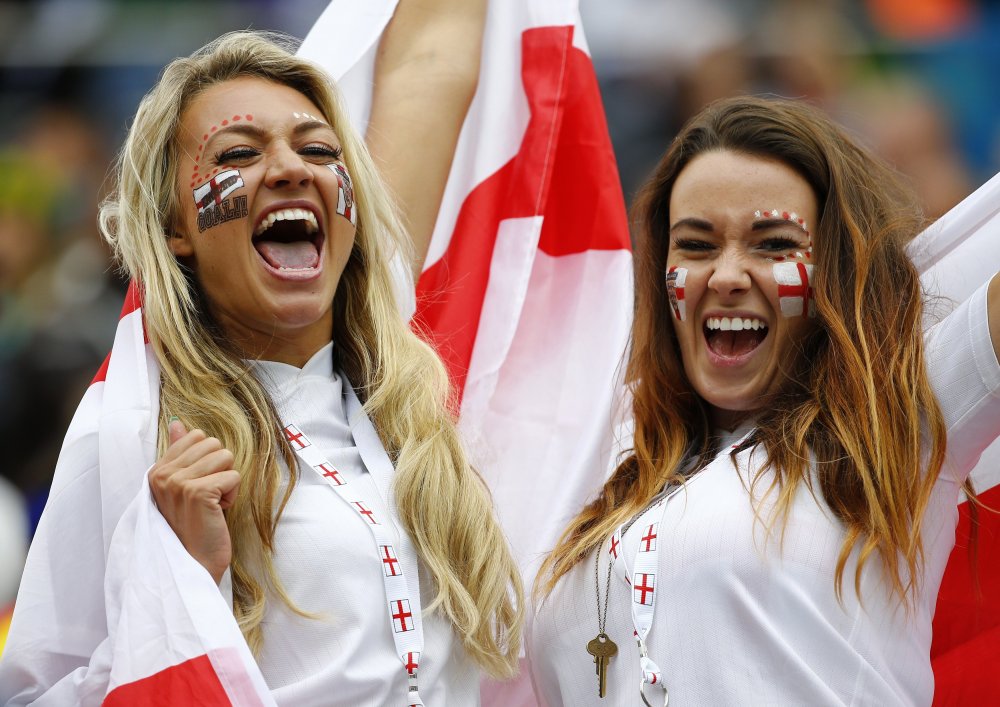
795,290
676,277
345,198
213,205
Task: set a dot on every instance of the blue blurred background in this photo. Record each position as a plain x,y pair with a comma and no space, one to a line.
915,79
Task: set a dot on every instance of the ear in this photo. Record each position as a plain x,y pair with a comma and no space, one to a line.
180,244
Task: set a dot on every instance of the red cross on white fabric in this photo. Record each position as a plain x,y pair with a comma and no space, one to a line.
650,538
331,473
411,663
389,560
294,436
613,550
366,512
400,609
644,585
795,292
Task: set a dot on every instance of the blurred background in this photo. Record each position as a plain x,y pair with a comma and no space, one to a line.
914,79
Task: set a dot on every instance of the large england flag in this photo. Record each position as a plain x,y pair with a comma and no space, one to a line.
526,292
955,256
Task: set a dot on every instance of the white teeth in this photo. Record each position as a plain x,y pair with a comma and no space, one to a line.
734,323
312,225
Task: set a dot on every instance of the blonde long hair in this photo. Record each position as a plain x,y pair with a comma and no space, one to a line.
856,396
442,501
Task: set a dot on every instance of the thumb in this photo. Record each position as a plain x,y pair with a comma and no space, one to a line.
176,429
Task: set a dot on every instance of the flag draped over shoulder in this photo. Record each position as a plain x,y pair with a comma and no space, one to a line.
156,630
956,256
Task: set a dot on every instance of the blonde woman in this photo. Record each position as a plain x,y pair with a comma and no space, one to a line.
777,532
262,235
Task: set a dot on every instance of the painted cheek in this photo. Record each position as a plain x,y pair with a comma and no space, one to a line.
210,198
795,290
676,279
345,196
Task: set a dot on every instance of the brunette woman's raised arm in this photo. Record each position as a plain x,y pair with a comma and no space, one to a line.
426,73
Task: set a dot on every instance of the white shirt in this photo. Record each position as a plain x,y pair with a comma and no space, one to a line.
741,619
327,560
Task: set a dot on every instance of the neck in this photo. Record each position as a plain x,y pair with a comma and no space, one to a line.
290,346
729,420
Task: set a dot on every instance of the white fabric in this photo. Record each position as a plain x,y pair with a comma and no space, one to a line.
326,558
741,621
109,596
955,255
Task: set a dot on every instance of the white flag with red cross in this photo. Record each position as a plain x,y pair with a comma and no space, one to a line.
956,256
526,292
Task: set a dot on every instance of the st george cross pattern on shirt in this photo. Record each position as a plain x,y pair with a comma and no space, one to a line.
330,472
366,512
643,588
401,615
392,552
296,438
649,539
389,560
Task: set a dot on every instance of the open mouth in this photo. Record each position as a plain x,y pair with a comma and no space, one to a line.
734,337
289,240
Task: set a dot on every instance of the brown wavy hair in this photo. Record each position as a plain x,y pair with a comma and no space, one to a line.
856,393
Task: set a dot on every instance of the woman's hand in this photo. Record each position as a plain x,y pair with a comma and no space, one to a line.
193,483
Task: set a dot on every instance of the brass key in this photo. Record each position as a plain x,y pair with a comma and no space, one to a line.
603,649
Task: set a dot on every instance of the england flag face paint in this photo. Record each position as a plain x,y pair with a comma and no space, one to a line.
345,202
214,208
675,291
795,290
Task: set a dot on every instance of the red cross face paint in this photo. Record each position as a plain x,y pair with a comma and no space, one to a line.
213,206
739,326
795,291
261,231
675,291
345,201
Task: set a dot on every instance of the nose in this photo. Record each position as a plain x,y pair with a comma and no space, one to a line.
286,168
730,275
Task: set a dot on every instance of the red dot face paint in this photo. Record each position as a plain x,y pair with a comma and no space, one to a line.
249,117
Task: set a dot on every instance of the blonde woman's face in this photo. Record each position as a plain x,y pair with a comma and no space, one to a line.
739,276
267,215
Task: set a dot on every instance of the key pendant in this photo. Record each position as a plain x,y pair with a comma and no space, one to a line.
603,649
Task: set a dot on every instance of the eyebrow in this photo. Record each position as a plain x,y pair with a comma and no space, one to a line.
255,131
697,224
766,223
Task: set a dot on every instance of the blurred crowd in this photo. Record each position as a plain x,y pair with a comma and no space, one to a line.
914,78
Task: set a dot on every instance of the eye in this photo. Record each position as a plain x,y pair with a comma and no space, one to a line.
235,154
693,245
778,244
322,151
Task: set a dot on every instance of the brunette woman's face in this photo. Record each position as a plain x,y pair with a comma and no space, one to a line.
266,214
739,276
